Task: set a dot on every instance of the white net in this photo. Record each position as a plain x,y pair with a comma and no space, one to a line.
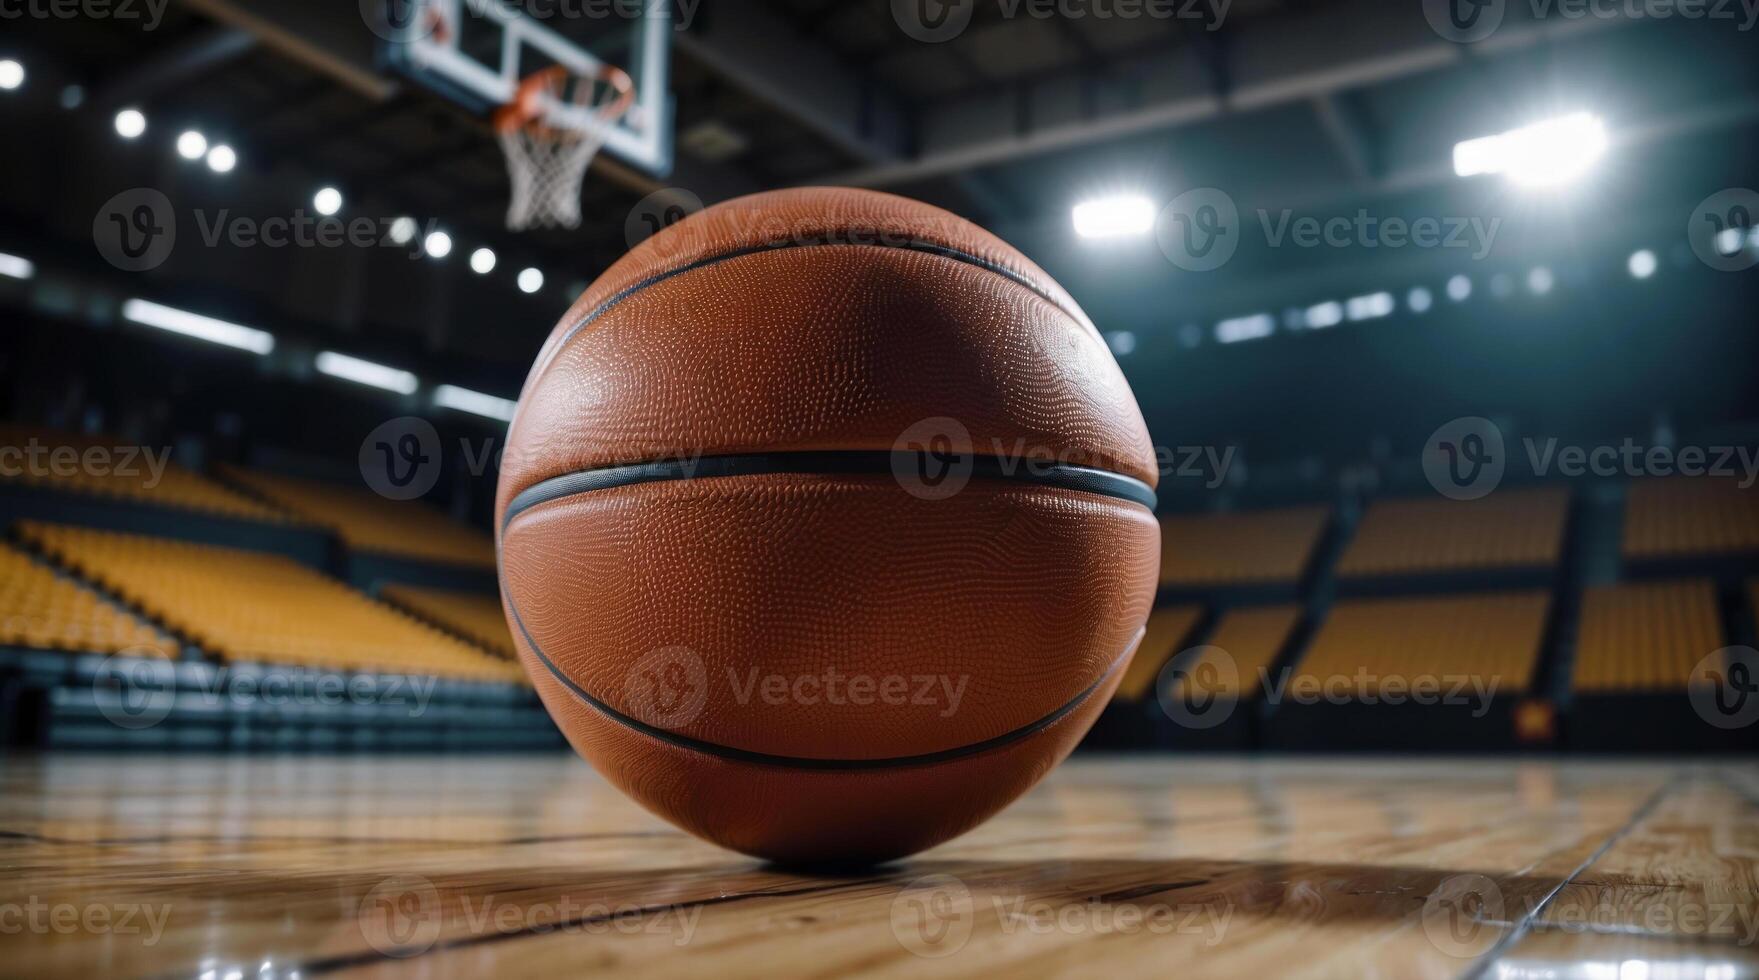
548,152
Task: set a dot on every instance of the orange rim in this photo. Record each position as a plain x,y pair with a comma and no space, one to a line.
526,109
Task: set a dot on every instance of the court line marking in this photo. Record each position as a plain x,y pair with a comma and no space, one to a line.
1525,925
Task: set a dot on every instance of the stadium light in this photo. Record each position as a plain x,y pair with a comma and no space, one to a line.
403,230
16,266
530,280
1728,241
474,402
1460,288
482,261
1642,264
1240,328
130,123
222,158
11,75
327,201
149,314
1114,217
192,145
438,244
1419,299
1543,154
1369,307
1321,315
364,372
1540,280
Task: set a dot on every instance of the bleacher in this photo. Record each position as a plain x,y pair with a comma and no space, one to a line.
1258,548
472,615
370,524
1672,518
126,474
1645,637
42,610
250,607
1405,540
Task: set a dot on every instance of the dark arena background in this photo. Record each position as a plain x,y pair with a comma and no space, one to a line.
1443,318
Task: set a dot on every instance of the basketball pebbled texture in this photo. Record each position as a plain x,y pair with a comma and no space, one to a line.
820,657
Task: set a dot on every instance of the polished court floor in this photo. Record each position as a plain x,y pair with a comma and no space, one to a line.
238,868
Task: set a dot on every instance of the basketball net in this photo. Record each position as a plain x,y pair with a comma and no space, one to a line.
548,153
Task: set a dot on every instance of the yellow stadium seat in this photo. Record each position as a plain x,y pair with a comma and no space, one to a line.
1645,637
46,611
1249,640
472,615
250,607
367,522
1507,529
106,467
1222,549
1668,517
1164,638
1366,644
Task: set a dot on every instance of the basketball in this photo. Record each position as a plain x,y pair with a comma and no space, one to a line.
825,525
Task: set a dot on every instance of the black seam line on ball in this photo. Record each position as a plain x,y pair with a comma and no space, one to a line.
929,248
828,463
806,762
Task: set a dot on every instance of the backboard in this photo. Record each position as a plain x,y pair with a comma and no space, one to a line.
478,51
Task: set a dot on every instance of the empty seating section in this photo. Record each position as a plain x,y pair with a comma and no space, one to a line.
1506,529
472,615
1491,638
367,522
46,611
106,467
1223,549
1163,639
252,607
1669,517
1241,651
1645,637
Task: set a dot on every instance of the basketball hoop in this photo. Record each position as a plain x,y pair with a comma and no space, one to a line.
555,123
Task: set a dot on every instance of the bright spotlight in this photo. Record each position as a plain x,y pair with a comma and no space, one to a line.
438,244
1114,217
130,123
1419,300
530,280
1327,314
1460,288
1236,329
222,158
11,74
1540,280
366,372
1370,307
482,261
327,200
1728,241
192,145
1642,264
1544,154
403,230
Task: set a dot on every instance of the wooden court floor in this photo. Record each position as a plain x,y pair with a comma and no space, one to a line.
241,868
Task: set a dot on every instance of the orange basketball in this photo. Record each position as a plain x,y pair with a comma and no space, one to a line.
826,525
